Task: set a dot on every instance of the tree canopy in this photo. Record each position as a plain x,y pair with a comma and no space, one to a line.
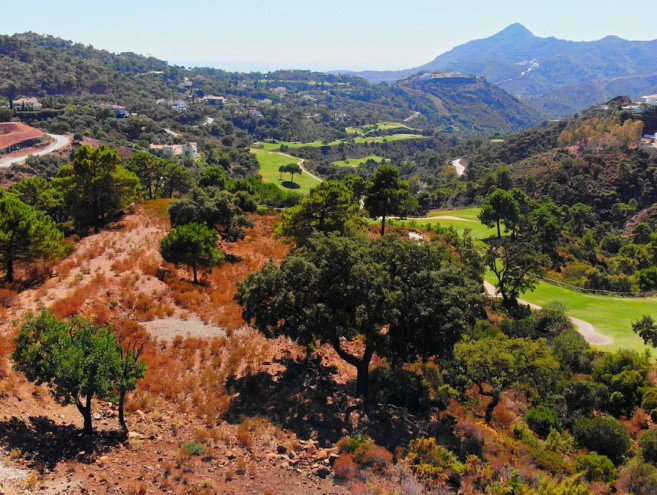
77,360
26,234
405,299
386,194
329,208
192,244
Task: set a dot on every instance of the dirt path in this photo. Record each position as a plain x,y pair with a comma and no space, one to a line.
590,334
458,165
60,142
300,163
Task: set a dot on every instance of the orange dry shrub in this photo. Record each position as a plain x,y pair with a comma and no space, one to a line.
191,373
7,297
122,264
71,304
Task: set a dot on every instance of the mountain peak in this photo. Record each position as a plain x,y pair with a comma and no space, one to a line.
515,30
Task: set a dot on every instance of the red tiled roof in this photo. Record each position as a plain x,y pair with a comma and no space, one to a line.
12,133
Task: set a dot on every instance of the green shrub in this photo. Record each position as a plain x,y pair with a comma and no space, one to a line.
348,445
193,448
649,400
604,435
648,446
542,420
431,461
596,467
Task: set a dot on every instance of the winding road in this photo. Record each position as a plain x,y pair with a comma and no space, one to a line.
60,142
588,331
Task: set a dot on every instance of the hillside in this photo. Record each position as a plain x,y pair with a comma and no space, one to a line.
286,105
558,77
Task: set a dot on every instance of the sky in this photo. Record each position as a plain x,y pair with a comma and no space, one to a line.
251,35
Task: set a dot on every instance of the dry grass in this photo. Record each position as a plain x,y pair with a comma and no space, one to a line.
213,302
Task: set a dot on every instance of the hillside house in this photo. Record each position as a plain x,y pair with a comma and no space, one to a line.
190,150
27,104
119,111
214,100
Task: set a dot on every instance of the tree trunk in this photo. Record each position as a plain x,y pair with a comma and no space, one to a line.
363,380
383,225
10,270
85,410
122,422
488,416
362,366
499,233
195,274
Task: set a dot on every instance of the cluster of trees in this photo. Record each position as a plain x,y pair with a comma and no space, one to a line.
80,361
403,299
200,217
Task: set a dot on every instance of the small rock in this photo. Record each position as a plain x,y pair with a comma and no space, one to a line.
230,455
284,465
97,416
332,458
322,454
311,449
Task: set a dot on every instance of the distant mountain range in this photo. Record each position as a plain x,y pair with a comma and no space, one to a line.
557,77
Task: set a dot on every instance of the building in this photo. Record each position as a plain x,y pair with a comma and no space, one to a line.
190,150
179,105
27,104
119,111
214,100
15,136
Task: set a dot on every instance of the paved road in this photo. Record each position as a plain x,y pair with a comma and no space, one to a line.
458,165
60,142
588,331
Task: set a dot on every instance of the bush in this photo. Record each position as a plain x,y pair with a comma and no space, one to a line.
417,387
649,400
648,446
344,467
569,347
193,448
542,420
596,467
604,435
638,477
364,452
432,461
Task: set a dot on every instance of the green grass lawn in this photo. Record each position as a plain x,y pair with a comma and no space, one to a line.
269,163
611,316
276,146
355,162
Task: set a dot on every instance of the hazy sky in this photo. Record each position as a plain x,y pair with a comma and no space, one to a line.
321,35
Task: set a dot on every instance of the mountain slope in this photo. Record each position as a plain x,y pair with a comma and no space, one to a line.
288,105
471,102
556,76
